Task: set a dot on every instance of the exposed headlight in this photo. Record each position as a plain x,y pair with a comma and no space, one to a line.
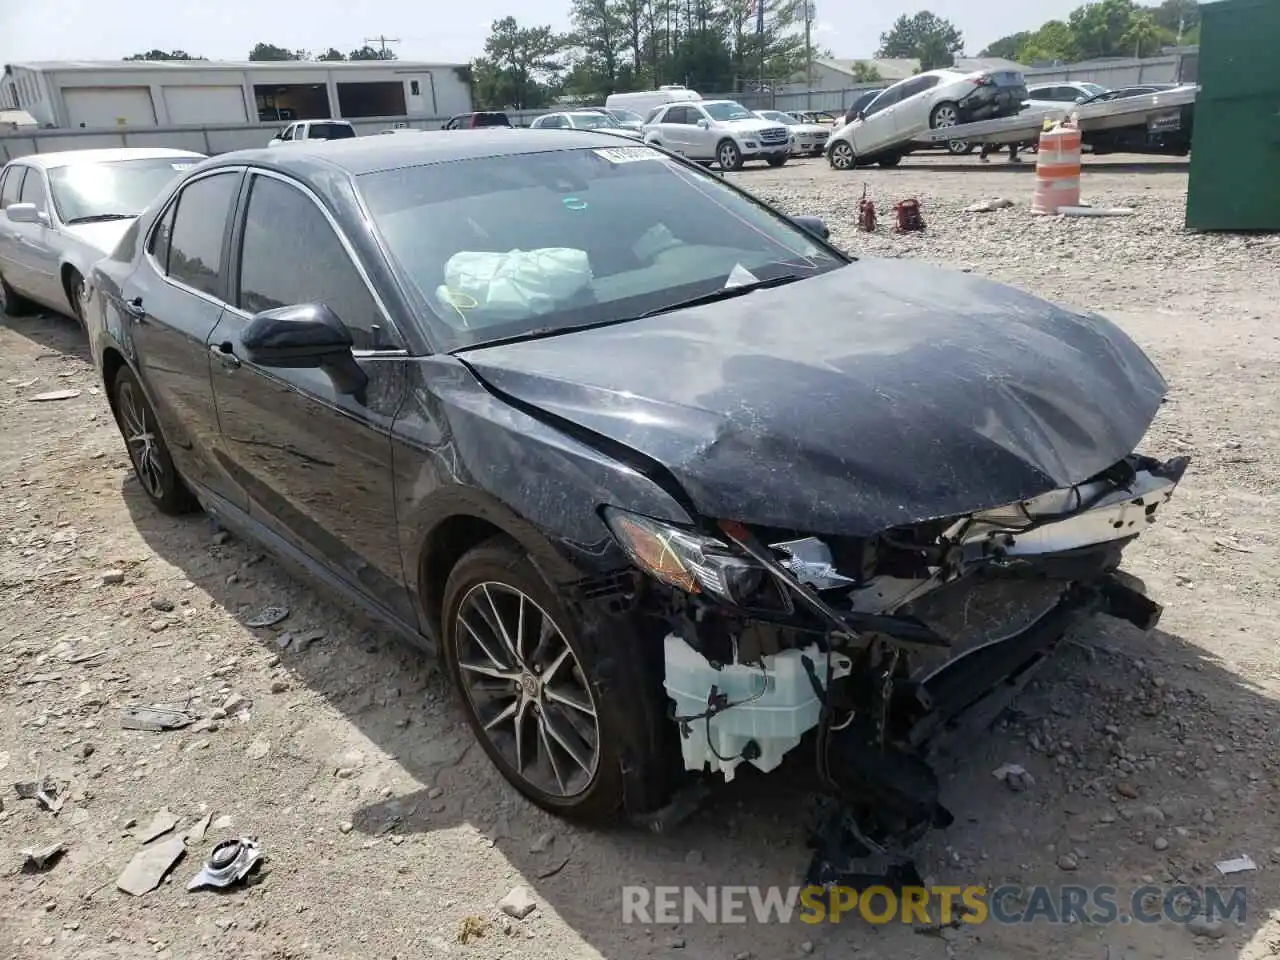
684,559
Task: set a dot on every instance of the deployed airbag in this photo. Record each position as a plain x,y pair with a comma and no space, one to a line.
512,285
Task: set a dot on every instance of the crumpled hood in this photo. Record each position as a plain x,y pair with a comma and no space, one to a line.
101,236
881,393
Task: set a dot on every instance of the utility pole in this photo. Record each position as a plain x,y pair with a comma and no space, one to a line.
810,11
382,42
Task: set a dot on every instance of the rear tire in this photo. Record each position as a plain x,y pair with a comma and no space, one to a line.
148,451
12,303
776,161
571,697
890,161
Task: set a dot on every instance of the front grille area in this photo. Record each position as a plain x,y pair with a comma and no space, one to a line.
774,135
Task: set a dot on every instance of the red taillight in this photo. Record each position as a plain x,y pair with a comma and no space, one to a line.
986,80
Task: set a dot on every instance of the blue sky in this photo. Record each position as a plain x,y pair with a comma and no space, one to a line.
440,31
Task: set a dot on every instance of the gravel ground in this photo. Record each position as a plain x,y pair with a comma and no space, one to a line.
387,834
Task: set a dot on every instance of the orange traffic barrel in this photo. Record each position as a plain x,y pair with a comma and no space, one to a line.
1057,170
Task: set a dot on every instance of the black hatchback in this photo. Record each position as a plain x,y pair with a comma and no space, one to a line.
555,409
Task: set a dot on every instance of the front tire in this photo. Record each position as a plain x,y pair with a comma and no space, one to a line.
12,303
841,156
728,155
776,161
530,682
148,451
75,295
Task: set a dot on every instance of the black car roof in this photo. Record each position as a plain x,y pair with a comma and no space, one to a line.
372,154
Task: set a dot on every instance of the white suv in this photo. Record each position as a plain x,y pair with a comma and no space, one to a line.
719,131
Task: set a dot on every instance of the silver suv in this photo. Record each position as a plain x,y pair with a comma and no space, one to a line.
719,131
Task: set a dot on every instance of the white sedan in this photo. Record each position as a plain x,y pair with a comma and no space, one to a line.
806,138
63,212
885,130
583,120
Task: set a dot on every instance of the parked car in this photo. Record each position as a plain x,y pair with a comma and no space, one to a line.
1141,90
313,130
401,130
814,116
478,120
719,131
931,100
583,120
807,139
1062,94
626,118
62,212
848,525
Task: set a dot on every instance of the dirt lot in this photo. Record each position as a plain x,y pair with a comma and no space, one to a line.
1152,756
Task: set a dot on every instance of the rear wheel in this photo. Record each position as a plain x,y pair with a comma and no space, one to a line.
776,161
890,161
728,155
147,449
11,302
959,148
947,114
550,703
841,156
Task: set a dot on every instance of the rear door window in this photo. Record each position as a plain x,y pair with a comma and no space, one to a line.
11,190
199,229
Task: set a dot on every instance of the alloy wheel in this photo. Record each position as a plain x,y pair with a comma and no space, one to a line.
945,116
140,436
77,296
728,156
842,156
527,690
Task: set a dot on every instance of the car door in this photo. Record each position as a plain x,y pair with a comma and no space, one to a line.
317,463
170,306
12,259
911,114
679,130
37,249
702,139
876,129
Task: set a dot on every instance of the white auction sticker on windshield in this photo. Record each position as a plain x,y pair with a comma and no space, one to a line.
628,154
182,166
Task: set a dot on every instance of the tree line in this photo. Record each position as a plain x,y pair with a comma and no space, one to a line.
269,51
1108,28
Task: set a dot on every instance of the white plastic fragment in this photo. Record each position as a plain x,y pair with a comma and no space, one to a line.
1241,864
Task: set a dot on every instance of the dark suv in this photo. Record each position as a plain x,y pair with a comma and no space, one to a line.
473,121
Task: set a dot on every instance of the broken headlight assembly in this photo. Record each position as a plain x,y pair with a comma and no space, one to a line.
687,560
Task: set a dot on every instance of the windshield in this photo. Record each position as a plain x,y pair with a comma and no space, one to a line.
626,116
777,116
592,121
727,110
544,242
112,190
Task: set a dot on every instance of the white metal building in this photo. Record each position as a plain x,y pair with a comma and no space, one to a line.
130,93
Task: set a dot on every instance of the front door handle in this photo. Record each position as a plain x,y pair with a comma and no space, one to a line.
225,354
136,309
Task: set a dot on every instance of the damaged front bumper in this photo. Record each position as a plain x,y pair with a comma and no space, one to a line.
884,647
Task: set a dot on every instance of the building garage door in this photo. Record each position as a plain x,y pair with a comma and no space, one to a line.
109,106
205,104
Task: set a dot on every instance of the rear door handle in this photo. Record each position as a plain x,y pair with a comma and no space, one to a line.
135,309
225,354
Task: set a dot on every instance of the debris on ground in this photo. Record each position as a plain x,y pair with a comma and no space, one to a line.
161,823
1084,211
42,858
49,793
1014,776
156,718
518,904
195,835
53,395
471,928
1241,864
267,617
230,862
989,206
150,865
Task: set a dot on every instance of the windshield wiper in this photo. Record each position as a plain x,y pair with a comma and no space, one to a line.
724,293
100,218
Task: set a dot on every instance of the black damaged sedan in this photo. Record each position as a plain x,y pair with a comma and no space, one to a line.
673,484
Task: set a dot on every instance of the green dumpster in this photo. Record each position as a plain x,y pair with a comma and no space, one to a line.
1235,146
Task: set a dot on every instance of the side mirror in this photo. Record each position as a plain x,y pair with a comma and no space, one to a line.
704,123
307,335
814,225
25,213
